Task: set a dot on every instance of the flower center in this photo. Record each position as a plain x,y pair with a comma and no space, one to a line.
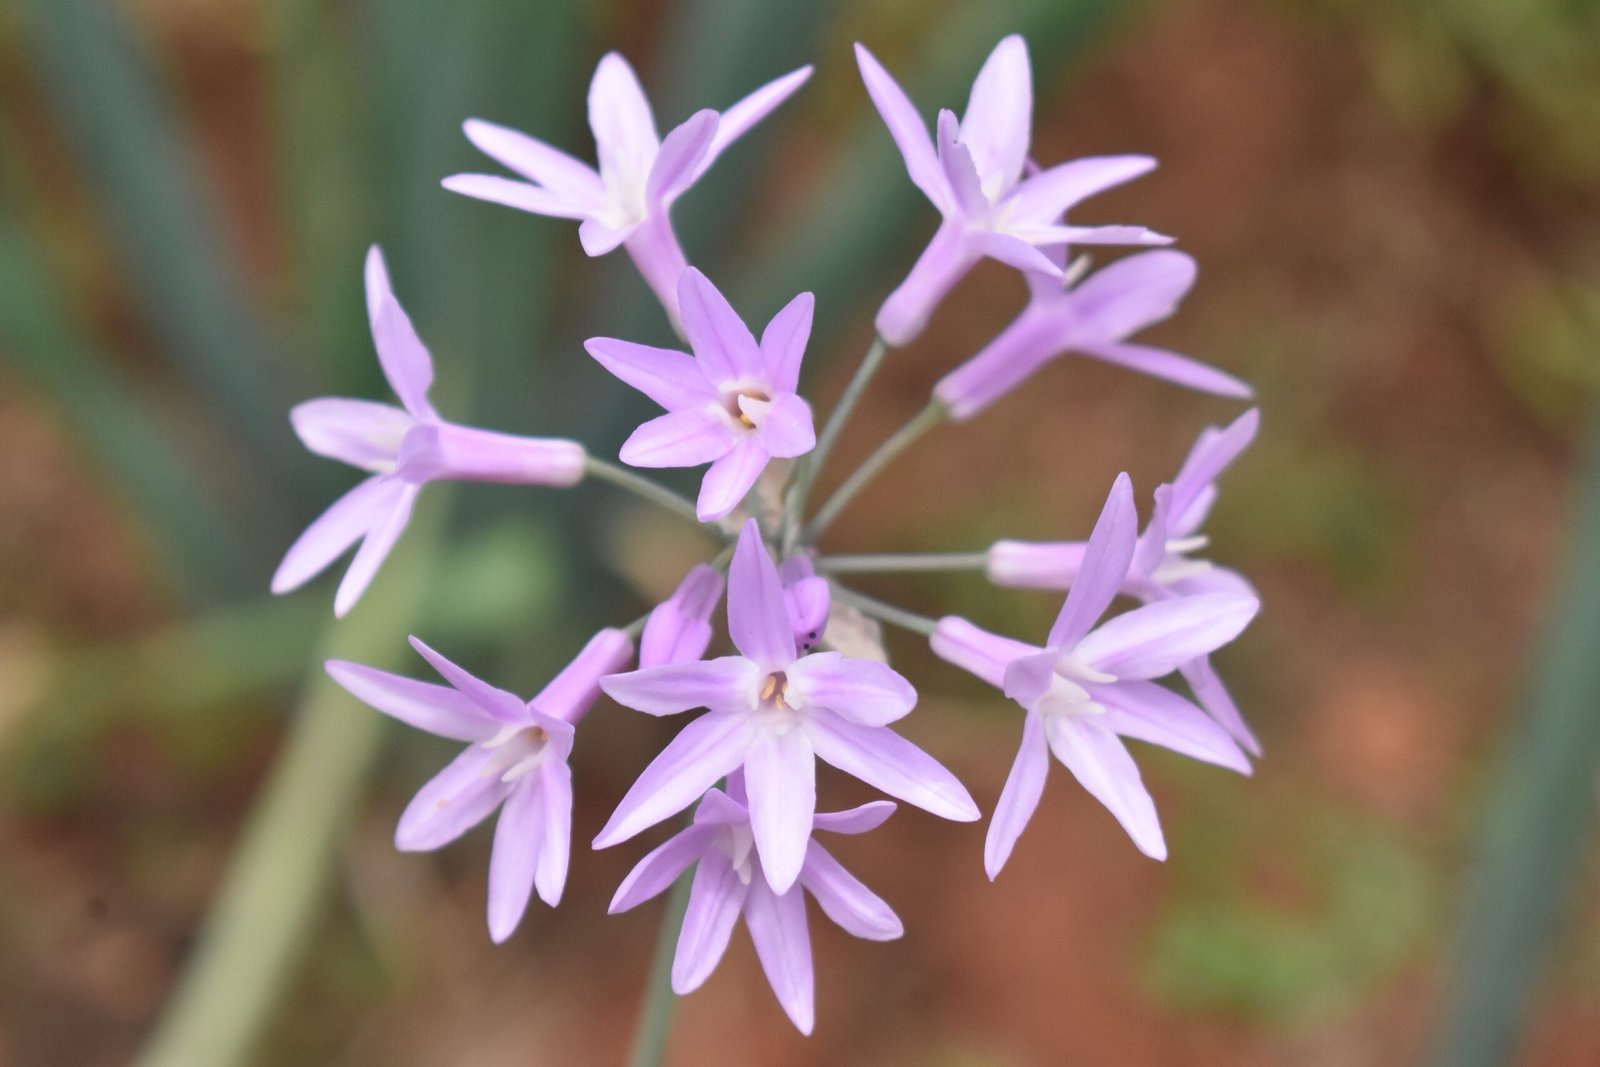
772,703
1176,565
1068,693
731,403
516,751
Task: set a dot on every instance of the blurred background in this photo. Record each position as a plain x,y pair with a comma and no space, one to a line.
1394,209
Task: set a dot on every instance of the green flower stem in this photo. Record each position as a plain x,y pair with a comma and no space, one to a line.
811,465
903,561
903,438
655,1015
643,487
877,609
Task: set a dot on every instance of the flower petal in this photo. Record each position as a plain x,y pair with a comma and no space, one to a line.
947,259
1158,638
362,433
1147,712
1030,677
909,131
1105,565
624,129
1035,564
1213,453
503,706
784,424
959,170
715,901
758,617
856,820
722,343
1020,797
374,549
738,119
375,275
882,758
999,116
843,898
661,867
518,840
777,924
1015,252
454,801
1046,196
405,360
599,237
342,525
780,775
1102,765
521,195
705,750
438,709
975,650
553,779
672,379
1171,366
1123,298
538,162
573,691
725,684
685,438
678,163
1218,702
861,691
783,342
679,628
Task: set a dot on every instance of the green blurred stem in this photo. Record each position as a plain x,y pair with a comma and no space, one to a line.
877,609
811,466
903,438
903,561
655,1014
642,487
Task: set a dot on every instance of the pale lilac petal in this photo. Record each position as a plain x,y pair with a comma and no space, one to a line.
538,162
999,116
1015,252
809,600
1120,299
345,522
975,650
619,114
705,750
362,433
1147,712
1102,765
783,343
910,133
1157,638
453,802
375,273
598,237
1020,797
946,260
652,875
723,684
724,809
685,438
444,450
784,424
1035,565
1044,197
374,550
862,691
574,690
678,162
554,782
882,758
780,775
1214,579
496,702
438,709
758,616
518,840
520,195
738,119
1170,366
1031,340
406,363
843,898
857,820
672,379
679,628
1029,678
653,246
959,170
777,925
1105,565
715,900
722,343
1212,454
1151,549
1088,235
1219,704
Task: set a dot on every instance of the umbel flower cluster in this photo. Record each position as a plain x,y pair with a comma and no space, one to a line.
805,679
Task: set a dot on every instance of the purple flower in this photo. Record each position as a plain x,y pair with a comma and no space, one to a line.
1094,318
729,882
732,404
1162,567
517,762
808,598
404,448
774,713
975,178
679,628
627,202
1090,687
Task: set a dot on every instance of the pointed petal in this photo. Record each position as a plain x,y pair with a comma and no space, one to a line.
758,618
724,684
378,286
908,130
860,691
738,119
777,925
652,875
730,478
1097,759
1157,638
1219,704
406,363
554,782
685,438
1171,366
518,840
705,750
715,900
1020,797
999,115
361,433
946,260
679,628
1087,235
780,775
619,114
1015,252
678,163
1035,564
1151,548
857,820
541,163
783,342
784,424
503,706
598,237
843,898
882,758
374,549
959,170
1147,712
1121,299
453,802
975,650
1043,198
1030,677
722,343
521,195
1105,565
1213,453
724,809
438,709
342,525
672,379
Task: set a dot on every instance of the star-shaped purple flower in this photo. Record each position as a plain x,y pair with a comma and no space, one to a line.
974,176
774,713
1094,318
732,404
1091,686
405,448
517,762
729,882
628,201
1162,566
